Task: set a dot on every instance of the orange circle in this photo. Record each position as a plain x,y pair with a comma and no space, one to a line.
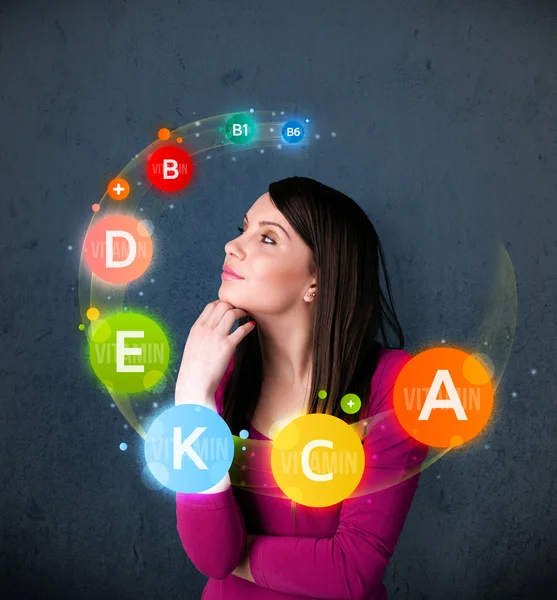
118,189
96,207
164,133
117,249
452,393
179,140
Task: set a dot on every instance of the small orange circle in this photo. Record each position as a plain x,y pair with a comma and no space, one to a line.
118,189
179,140
164,133
96,207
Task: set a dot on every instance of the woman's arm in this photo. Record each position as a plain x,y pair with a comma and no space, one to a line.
348,565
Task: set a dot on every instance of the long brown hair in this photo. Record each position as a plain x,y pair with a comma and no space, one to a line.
350,306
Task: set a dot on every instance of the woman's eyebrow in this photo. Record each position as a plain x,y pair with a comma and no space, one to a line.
261,223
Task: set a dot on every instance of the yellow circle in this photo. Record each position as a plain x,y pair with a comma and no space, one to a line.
93,314
317,460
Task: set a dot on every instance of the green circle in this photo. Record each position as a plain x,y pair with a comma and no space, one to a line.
81,327
115,338
322,394
350,403
240,129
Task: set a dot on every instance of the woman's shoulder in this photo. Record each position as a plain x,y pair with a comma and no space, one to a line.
390,363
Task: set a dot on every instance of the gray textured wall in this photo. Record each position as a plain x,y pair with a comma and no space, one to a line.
446,135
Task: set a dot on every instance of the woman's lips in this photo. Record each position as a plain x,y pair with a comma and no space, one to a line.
230,277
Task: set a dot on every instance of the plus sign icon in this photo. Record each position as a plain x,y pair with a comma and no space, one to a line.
170,169
118,189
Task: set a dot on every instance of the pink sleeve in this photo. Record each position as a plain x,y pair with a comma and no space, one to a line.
211,526
350,564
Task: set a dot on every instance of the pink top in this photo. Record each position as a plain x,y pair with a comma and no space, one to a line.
338,552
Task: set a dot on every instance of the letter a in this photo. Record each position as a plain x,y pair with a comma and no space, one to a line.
431,402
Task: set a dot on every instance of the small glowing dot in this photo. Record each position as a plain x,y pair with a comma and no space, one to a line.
233,158
152,280
243,447
139,183
307,120
533,371
108,297
281,112
197,123
271,129
141,418
253,454
368,500
486,446
155,404
197,134
73,289
163,133
485,343
172,206
123,446
70,247
374,456
273,113
251,110
333,134
244,433
81,327
92,314
262,151
112,405
96,207
125,308
125,425
141,293
279,146
514,394
264,485
141,209
438,476
179,140
322,394
317,136
442,341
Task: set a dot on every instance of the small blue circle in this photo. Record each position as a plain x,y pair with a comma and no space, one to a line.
243,447
123,446
244,434
292,132
189,448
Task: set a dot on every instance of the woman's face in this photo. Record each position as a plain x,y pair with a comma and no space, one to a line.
274,263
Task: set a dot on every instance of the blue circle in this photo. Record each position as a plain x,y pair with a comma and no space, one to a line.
244,434
292,132
123,446
189,448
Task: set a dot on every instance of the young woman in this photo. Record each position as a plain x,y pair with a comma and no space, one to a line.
305,268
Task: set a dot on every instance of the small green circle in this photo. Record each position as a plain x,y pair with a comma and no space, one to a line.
129,352
81,327
350,403
322,394
240,129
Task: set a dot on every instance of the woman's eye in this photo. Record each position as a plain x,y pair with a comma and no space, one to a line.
241,230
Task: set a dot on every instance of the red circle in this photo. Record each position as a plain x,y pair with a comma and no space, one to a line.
170,168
